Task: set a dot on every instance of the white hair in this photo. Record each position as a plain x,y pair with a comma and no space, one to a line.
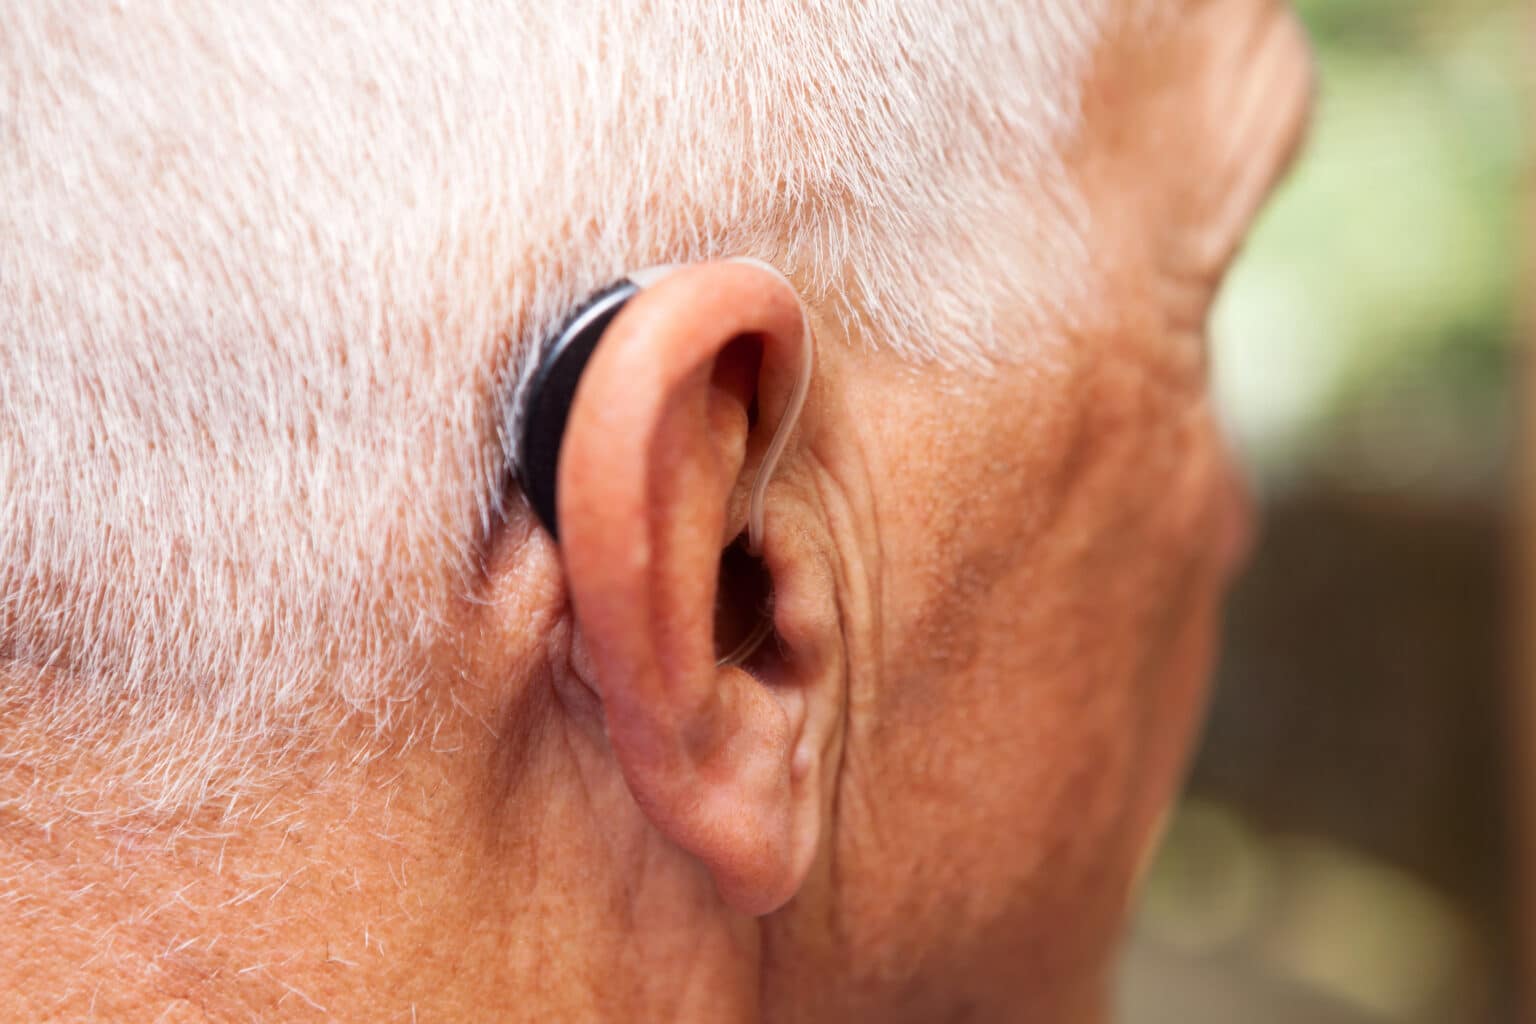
268,270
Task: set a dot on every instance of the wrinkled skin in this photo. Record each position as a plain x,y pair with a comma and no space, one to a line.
1084,523
999,598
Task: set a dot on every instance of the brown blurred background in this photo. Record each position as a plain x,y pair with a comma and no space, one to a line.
1346,848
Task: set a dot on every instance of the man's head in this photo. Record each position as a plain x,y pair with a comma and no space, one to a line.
271,285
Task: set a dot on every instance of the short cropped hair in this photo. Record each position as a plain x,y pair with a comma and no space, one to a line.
268,273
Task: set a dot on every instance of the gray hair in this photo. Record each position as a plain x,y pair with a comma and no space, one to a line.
267,272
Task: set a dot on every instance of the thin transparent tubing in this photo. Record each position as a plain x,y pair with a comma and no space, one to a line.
755,509
755,513
787,422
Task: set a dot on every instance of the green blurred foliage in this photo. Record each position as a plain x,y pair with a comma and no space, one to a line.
1364,349
1368,331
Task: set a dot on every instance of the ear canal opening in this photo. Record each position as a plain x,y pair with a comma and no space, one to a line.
743,606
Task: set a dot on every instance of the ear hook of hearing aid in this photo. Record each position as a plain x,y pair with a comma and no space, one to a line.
547,408
787,422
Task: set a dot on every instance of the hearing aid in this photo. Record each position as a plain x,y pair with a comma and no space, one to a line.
551,389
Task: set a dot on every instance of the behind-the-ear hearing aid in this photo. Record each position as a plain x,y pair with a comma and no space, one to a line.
552,387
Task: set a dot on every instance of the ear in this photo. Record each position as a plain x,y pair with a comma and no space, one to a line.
660,453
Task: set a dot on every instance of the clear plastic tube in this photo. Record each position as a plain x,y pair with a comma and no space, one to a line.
756,507
649,276
787,422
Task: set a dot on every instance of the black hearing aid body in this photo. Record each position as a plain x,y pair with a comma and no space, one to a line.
551,391
552,388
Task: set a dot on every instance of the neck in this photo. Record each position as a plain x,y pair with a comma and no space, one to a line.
389,891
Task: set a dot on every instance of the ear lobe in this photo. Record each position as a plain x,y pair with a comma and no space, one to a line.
659,453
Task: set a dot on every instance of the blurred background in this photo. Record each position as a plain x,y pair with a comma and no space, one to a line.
1345,849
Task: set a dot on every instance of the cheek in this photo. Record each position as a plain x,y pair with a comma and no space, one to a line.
1113,628
1040,699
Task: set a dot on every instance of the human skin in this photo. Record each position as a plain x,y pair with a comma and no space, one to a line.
996,598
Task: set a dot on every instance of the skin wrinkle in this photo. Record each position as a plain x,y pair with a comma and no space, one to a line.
840,761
